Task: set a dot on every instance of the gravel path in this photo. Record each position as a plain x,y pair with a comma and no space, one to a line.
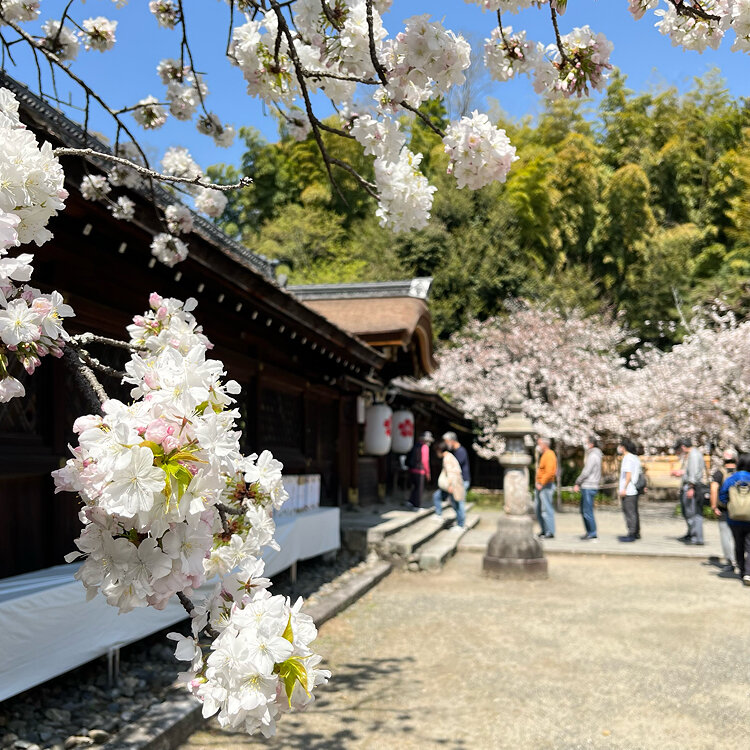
625,653
80,709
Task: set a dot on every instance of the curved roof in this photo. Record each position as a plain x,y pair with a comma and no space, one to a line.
387,315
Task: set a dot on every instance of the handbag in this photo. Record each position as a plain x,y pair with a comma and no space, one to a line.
443,481
739,502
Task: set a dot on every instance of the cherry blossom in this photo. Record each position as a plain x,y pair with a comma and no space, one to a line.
168,249
479,152
99,33
566,367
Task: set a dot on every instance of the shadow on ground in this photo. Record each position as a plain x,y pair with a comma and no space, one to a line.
358,703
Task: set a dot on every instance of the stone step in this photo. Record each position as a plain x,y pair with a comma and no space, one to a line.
398,520
402,546
432,556
365,532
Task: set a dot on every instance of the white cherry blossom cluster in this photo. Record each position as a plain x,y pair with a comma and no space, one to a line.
31,323
21,10
31,193
695,33
168,249
149,114
169,501
741,25
404,193
179,219
479,152
639,8
62,42
507,54
585,64
98,33
167,12
31,186
699,25
381,138
210,201
423,59
509,6
269,75
260,664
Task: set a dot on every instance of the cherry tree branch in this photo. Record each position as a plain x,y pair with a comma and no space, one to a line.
186,602
695,10
95,364
150,173
314,123
558,40
92,338
90,93
229,510
382,75
84,377
185,47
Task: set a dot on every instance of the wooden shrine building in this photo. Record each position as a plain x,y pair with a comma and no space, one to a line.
305,362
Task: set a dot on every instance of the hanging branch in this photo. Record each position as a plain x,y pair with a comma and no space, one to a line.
380,70
186,602
229,510
92,390
185,47
314,123
94,363
54,59
558,40
695,10
92,338
500,26
150,173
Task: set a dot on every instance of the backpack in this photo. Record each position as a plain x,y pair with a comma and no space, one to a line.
641,483
414,457
739,501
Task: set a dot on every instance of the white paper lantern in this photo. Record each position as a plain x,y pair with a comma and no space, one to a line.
378,422
403,431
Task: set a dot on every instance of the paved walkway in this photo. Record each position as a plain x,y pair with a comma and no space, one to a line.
659,532
634,653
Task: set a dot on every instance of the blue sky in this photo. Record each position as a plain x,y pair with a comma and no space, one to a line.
128,72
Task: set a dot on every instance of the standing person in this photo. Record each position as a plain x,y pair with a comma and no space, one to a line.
693,489
725,533
740,529
630,472
450,485
418,462
588,483
546,472
462,456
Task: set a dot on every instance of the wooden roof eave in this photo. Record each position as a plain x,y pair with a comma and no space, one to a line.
253,281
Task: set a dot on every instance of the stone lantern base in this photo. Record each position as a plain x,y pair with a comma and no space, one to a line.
514,551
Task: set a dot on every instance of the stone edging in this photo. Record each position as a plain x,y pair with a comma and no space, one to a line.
166,725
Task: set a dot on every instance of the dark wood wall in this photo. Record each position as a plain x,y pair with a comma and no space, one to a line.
294,402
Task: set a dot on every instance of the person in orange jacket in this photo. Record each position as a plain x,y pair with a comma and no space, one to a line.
546,473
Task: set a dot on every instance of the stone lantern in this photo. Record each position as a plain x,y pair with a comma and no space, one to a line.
514,551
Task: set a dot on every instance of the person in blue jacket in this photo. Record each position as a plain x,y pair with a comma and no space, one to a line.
740,529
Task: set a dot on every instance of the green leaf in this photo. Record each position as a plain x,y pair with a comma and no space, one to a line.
291,672
155,448
181,476
288,631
